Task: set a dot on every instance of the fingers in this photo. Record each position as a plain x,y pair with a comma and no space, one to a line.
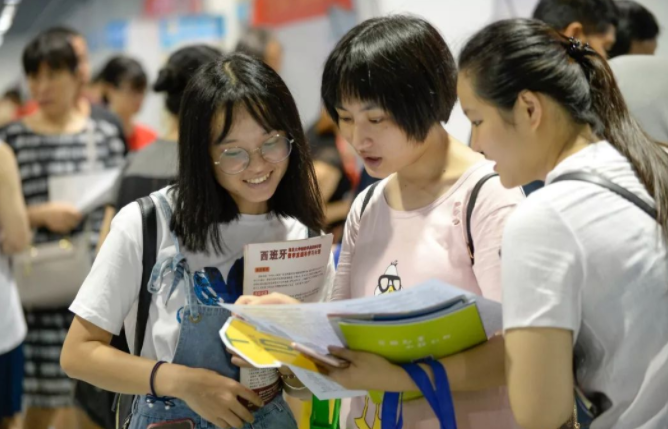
249,395
342,353
230,419
246,300
242,412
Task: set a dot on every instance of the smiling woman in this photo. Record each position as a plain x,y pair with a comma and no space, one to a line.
245,176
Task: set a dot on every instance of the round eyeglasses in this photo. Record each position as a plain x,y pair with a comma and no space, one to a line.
235,160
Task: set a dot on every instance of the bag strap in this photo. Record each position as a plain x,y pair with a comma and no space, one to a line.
597,179
367,197
149,256
469,213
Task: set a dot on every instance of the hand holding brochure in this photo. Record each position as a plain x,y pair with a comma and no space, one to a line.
296,268
430,320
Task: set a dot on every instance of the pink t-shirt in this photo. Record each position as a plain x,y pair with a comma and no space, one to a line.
389,250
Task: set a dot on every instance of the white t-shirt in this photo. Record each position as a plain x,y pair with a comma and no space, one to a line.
12,322
577,256
108,297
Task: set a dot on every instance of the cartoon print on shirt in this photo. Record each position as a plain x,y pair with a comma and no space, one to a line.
390,281
212,289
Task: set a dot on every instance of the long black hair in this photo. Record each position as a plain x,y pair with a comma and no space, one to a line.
511,56
237,81
399,62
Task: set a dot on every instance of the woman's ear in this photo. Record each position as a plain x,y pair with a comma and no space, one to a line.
528,110
574,29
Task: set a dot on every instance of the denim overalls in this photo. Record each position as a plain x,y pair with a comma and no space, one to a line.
200,346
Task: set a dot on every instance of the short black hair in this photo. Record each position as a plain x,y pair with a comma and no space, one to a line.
52,49
254,42
596,16
181,66
121,69
237,81
400,63
635,23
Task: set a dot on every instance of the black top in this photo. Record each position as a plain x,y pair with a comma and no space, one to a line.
147,171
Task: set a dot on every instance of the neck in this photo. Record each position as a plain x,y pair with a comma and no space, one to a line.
60,120
569,144
253,208
172,130
432,163
128,125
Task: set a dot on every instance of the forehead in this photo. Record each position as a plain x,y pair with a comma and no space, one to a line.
355,105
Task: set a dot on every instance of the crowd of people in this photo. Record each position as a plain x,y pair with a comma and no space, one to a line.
557,111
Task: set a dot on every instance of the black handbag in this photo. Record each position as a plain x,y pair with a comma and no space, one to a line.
107,409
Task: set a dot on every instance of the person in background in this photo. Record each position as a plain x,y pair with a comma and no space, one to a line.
333,181
584,270
124,85
155,167
14,238
637,30
590,21
86,105
10,106
51,142
262,44
646,97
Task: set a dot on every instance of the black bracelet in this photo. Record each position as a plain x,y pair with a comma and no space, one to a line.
152,381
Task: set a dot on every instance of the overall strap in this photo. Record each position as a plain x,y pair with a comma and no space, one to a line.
177,264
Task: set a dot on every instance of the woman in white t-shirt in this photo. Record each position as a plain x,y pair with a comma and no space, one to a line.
245,177
584,271
14,237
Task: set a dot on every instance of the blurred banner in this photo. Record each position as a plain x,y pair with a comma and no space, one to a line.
160,8
280,12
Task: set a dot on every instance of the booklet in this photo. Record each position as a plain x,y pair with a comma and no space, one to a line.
430,320
296,268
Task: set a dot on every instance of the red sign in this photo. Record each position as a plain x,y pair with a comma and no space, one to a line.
279,12
161,8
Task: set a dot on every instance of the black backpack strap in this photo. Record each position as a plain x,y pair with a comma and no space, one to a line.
596,179
469,213
149,256
367,197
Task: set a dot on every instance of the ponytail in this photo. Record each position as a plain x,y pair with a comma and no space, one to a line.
648,157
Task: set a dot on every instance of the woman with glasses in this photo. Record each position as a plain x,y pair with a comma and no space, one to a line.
245,176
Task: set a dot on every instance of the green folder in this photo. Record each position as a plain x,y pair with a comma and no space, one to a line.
409,339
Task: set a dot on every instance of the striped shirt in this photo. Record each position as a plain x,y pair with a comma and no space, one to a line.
42,156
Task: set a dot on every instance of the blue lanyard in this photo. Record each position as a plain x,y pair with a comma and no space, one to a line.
439,398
